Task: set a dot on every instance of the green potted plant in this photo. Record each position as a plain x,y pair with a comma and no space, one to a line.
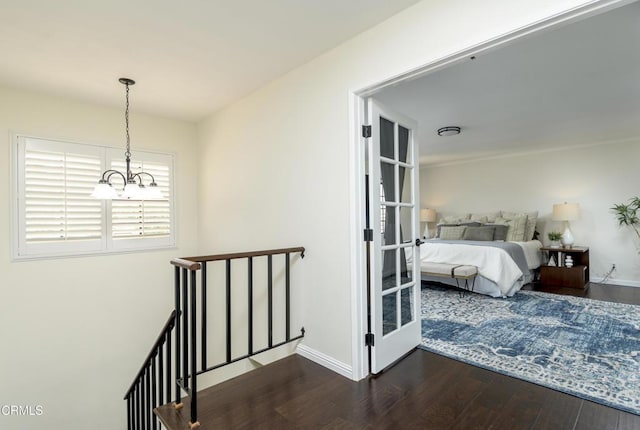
628,214
554,237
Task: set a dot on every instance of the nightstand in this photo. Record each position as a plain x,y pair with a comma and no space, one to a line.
562,276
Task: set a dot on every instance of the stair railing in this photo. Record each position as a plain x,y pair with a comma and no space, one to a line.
153,384
187,342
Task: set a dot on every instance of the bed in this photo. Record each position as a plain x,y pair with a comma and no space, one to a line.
502,245
503,267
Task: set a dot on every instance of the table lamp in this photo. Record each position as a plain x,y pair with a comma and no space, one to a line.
566,212
427,216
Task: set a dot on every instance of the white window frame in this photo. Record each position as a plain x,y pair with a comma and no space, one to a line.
21,250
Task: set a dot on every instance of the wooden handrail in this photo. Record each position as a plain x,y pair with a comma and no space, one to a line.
186,263
237,255
167,327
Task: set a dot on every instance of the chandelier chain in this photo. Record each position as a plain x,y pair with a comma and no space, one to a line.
126,119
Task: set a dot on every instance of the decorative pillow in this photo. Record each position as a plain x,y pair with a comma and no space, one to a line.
452,233
516,225
439,226
536,235
488,217
500,232
466,223
479,233
454,219
530,228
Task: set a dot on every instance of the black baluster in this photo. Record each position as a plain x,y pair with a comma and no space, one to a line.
288,296
178,309
138,406
147,394
185,330
228,298
143,402
203,286
193,385
161,370
168,357
129,411
250,304
270,294
154,402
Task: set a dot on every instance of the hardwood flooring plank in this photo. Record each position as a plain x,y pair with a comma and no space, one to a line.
627,421
594,416
522,409
477,417
342,424
444,411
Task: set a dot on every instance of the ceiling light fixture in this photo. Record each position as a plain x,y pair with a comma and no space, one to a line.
449,131
131,189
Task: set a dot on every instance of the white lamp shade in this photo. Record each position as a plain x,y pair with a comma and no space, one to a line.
566,212
427,215
132,191
104,191
152,193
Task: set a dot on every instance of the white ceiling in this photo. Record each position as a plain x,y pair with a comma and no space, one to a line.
575,85
189,57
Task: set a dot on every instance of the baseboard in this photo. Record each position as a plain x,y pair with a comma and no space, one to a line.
325,361
621,282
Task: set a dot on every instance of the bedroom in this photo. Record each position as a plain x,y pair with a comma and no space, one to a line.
549,119
574,140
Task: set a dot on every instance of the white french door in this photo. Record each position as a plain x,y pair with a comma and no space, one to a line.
394,219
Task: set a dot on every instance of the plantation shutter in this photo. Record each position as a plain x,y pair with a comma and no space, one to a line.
55,214
149,218
56,202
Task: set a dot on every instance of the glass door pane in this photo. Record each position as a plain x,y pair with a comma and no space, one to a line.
393,208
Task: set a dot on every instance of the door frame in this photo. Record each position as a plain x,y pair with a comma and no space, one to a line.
357,117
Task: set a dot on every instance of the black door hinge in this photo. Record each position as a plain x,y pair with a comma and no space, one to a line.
368,235
366,131
368,339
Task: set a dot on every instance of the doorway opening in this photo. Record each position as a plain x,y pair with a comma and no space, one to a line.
361,161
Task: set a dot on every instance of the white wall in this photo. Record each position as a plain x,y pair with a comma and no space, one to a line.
596,177
74,331
274,170
275,166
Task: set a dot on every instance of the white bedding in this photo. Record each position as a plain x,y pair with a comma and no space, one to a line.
531,253
498,276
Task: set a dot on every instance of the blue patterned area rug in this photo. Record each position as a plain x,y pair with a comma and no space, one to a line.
587,348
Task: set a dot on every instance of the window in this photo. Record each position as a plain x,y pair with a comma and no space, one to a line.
56,216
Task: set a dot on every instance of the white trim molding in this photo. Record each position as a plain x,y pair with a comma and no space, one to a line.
325,361
357,172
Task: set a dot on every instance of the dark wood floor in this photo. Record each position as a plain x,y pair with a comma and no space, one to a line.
607,293
423,391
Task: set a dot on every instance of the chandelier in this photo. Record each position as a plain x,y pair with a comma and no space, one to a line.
133,186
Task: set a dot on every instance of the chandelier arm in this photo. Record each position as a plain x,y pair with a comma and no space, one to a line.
111,173
153,180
